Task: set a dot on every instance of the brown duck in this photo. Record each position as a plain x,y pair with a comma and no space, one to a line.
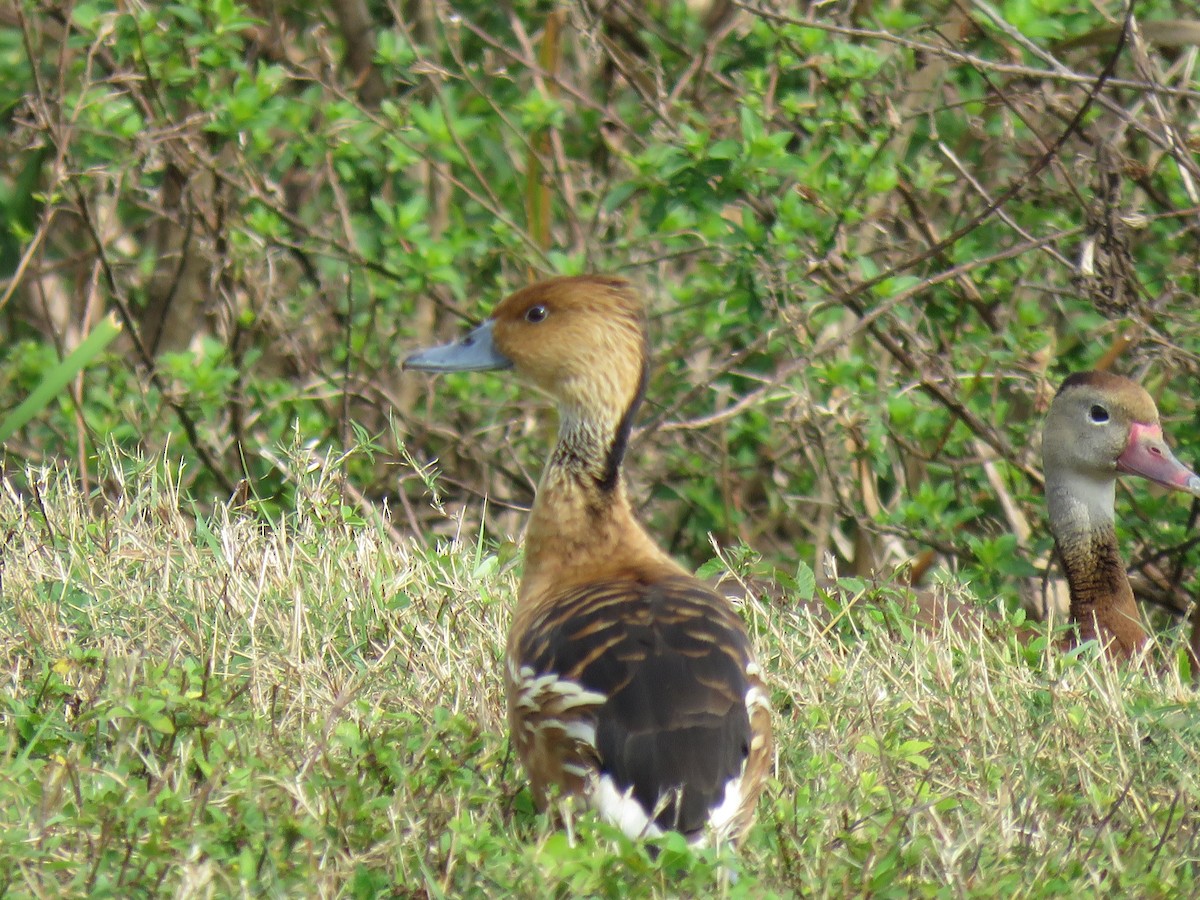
1099,426
631,685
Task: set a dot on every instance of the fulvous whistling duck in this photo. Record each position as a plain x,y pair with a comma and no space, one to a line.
1100,425
631,685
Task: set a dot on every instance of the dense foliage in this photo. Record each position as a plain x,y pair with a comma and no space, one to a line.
873,243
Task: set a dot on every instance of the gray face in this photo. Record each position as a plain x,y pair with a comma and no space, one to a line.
1096,431
1086,432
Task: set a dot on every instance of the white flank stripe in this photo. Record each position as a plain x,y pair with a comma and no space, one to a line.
540,691
573,695
581,732
756,698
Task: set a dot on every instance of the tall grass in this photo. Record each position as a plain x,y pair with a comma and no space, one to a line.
215,706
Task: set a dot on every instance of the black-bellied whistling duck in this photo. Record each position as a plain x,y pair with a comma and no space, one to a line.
630,684
1100,425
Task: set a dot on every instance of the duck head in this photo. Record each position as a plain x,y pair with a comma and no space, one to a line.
1101,425
582,339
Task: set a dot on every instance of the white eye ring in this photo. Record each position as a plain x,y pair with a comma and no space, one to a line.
535,314
1098,414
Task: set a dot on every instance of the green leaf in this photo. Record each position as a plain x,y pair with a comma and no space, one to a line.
806,581
160,723
60,376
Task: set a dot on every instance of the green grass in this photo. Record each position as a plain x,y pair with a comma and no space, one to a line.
215,707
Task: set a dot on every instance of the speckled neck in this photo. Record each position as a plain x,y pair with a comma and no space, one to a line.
1102,602
582,523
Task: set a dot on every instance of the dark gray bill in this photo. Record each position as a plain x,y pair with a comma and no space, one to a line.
474,353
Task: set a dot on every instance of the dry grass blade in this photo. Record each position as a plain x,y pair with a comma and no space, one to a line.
307,705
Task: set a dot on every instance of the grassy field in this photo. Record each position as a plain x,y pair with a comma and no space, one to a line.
200,707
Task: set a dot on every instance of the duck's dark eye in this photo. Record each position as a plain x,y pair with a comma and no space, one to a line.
535,313
1098,414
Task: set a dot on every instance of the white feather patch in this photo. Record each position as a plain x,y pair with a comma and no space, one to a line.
721,817
622,809
581,732
756,698
543,692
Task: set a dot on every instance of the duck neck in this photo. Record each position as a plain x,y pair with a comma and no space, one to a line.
582,524
1102,603
587,458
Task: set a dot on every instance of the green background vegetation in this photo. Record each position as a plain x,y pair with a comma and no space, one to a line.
873,238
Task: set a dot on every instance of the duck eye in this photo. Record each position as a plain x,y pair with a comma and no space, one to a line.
1098,414
535,314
